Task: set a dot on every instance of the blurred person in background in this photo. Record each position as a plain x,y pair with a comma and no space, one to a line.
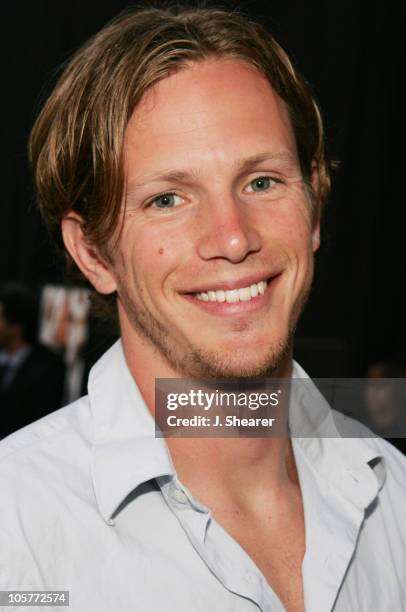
64,329
31,375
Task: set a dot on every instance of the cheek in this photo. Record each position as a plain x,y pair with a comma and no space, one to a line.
150,251
292,232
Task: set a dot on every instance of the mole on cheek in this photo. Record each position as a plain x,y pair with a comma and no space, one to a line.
161,251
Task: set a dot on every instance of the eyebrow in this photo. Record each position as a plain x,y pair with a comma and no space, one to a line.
241,165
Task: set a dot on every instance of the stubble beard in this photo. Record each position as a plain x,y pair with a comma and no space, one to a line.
194,362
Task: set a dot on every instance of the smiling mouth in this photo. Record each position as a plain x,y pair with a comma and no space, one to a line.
231,296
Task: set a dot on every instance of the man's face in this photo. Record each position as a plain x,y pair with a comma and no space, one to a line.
215,259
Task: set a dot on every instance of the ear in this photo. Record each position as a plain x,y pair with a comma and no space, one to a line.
315,181
86,256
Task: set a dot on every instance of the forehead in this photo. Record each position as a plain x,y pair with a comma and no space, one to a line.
208,112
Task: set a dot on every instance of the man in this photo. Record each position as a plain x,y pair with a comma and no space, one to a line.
182,158
31,376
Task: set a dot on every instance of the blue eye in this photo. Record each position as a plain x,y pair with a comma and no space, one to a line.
262,183
166,200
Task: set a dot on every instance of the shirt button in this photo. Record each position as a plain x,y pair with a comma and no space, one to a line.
179,496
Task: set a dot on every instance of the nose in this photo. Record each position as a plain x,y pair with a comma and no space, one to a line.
226,230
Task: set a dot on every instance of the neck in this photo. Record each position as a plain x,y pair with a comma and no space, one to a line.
243,471
240,470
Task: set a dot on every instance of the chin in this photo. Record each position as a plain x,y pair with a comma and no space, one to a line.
243,364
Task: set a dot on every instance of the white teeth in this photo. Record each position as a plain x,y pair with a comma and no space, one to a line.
244,294
233,295
262,287
254,290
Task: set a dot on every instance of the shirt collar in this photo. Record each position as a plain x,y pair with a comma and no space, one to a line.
125,450
326,439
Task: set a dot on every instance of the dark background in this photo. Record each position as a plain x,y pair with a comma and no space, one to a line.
353,54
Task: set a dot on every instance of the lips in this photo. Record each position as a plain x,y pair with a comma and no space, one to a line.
234,297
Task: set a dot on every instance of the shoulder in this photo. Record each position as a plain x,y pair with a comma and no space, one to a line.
45,462
46,485
389,467
394,462
60,438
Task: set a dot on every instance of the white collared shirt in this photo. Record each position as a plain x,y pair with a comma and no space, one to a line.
90,503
